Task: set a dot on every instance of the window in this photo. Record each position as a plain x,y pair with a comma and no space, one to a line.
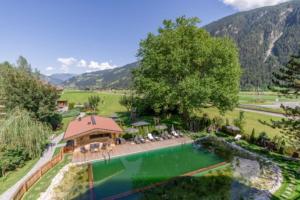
100,136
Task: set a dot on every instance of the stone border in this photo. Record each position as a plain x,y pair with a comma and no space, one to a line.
251,155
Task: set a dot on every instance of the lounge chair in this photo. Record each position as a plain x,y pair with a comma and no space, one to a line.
156,137
151,138
136,140
166,136
180,134
174,134
142,139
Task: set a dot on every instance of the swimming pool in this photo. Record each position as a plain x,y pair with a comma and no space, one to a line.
127,173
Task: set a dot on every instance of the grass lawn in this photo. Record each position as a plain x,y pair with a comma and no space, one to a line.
74,185
45,181
12,177
252,121
263,98
110,103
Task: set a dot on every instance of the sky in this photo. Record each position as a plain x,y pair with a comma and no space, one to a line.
78,36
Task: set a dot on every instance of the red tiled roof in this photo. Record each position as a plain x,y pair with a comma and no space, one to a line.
78,127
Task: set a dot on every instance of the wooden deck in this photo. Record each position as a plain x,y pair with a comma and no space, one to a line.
126,149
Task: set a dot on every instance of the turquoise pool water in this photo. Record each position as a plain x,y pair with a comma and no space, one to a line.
127,173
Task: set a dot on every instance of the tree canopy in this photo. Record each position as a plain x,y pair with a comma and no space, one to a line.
287,82
21,88
183,68
94,101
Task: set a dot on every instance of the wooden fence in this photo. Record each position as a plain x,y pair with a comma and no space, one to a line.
37,175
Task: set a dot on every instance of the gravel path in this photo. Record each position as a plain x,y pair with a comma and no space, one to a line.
47,155
263,112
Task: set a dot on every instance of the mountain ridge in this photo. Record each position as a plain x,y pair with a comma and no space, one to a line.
266,37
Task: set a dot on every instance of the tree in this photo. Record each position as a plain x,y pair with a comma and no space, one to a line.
24,90
183,68
23,65
21,138
252,138
240,121
94,101
287,83
127,101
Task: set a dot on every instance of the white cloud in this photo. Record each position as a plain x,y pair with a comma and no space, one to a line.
66,63
49,68
89,66
250,4
82,63
93,65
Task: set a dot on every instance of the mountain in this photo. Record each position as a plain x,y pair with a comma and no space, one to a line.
57,79
117,78
266,38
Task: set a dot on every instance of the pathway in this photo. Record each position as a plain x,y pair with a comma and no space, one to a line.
47,155
263,112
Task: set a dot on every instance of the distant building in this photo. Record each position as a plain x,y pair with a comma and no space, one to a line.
62,105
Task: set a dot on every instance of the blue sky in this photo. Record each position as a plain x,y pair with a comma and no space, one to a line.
78,36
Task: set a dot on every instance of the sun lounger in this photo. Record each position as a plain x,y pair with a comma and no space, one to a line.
180,134
164,136
156,138
175,134
151,138
136,140
167,135
142,139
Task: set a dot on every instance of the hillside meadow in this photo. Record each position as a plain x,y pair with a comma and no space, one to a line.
111,105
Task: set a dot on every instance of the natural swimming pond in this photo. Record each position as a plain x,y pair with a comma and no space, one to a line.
135,171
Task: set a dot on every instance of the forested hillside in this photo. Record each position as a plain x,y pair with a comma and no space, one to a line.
118,78
266,38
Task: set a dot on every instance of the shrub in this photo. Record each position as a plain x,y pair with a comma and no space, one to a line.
252,138
71,105
128,136
218,122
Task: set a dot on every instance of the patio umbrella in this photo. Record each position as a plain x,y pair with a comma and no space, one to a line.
131,130
140,123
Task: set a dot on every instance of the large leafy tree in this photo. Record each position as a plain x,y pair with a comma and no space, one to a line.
183,68
21,88
287,82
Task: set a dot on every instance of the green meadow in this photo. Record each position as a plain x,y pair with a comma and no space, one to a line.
111,105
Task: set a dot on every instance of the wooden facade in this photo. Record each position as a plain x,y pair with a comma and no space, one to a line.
95,136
